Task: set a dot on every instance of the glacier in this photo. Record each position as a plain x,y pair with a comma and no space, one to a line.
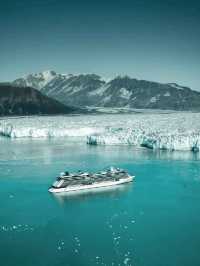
165,131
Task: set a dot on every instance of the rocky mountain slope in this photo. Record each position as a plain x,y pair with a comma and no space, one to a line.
91,90
15,100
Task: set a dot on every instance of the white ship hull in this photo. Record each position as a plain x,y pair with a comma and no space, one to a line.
94,185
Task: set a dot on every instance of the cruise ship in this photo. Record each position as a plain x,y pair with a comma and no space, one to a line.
67,182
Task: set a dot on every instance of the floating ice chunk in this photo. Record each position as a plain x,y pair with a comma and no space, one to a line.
126,260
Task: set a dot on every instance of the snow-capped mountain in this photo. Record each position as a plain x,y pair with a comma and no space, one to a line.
37,81
91,90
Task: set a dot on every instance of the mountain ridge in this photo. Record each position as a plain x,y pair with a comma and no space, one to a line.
122,91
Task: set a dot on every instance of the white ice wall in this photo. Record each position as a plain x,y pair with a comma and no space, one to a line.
172,131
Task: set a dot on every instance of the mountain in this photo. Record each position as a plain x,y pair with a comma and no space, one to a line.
37,81
122,91
15,100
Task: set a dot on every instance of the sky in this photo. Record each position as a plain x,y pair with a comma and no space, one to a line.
145,39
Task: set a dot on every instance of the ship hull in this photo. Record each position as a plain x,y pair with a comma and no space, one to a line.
94,185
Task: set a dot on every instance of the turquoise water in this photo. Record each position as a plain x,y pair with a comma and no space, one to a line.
155,221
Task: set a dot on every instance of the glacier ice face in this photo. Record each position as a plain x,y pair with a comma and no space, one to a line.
162,141
47,127
172,131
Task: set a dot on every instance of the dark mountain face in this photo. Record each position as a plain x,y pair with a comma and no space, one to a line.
145,94
76,88
91,90
28,101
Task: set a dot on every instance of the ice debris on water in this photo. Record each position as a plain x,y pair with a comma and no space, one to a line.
77,240
60,245
126,260
16,228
